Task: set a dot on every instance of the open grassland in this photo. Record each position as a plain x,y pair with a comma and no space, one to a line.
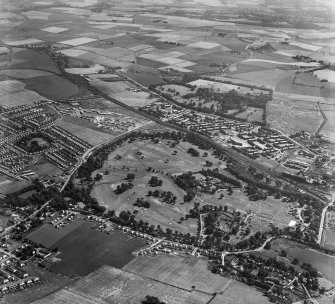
48,236
84,131
44,168
187,273
252,114
123,91
111,285
13,186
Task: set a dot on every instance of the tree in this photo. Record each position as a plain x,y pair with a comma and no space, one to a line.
130,176
295,261
152,300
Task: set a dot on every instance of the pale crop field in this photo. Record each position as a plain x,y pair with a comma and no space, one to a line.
179,272
80,71
204,45
306,46
24,73
78,41
326,74
73,52
55,29
25,41
37,15
305,64
10,86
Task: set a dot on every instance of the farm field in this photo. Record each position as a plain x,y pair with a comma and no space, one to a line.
84,249
24,73
52,87
48,236
239,293
10,186
187,273
81,71
322,262
283,113
123,91
269,77
29,59
111,285
328,130
92,136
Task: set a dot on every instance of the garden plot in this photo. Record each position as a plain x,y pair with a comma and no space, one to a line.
24,41
78,41
55,29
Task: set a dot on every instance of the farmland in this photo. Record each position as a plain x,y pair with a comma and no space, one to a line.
78,238
237,293
142,142
118,286
322,262
187,273
280,114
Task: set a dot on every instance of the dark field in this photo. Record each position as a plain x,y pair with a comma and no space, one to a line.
34,60
84,250
322,262
52,87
